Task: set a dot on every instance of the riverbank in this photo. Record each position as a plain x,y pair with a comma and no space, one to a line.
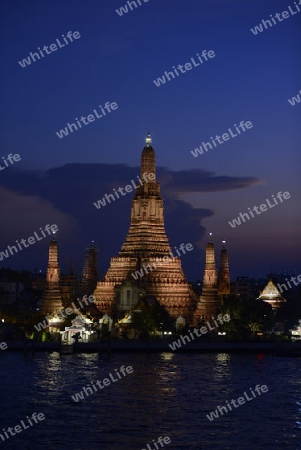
113,346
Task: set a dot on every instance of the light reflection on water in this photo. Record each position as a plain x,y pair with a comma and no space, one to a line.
168,394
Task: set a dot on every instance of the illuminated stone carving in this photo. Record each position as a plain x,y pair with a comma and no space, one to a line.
146,240
52,301
224,273
209,304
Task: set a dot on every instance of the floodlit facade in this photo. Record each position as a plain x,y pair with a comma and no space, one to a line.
146,244
271,295
52,301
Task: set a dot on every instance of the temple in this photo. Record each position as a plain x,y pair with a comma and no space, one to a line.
271,295
145,270
51,302
140,270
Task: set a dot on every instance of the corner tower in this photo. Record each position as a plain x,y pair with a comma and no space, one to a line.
89,279
51,300
209,303
224,273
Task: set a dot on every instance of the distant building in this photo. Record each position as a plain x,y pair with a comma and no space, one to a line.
296,332
241,288
271,295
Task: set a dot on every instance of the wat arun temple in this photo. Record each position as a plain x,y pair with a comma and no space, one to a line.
146,246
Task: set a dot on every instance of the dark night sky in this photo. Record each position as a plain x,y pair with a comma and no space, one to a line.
116,59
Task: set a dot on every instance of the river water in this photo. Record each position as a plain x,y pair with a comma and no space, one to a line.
167,394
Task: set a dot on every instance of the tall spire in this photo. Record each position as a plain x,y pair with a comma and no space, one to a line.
53,270
210,275
224,272
209,304
148,140
145,251
52,301
148,159
90,270
147,217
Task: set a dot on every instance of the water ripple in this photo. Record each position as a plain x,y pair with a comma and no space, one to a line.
168,394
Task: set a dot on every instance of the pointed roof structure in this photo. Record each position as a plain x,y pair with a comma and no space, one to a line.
209,303
89,278
271,295
224,272
51,300
146,241
148,140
